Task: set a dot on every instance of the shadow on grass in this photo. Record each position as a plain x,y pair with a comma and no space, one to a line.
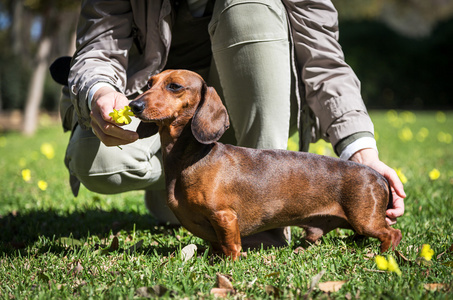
20,230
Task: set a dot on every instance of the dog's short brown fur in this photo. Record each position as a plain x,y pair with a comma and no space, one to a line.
221,192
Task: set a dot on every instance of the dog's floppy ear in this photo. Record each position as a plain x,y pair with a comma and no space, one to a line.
147,129
211,118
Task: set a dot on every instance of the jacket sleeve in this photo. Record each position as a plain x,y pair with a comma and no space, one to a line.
104,38
332,90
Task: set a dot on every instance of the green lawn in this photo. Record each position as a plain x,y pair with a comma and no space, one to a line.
53,245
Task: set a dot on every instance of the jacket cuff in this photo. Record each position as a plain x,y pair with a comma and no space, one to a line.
355,142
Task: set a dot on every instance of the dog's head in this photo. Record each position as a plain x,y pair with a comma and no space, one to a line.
176,98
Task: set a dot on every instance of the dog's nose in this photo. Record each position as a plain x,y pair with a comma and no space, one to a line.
137,106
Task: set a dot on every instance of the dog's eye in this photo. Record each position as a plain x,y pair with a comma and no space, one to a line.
174,87
150,84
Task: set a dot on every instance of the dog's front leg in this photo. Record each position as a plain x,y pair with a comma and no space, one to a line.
225,224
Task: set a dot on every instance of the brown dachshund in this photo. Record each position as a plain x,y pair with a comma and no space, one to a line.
222,192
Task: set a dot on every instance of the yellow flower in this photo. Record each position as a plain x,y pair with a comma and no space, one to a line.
393,265
441,117
122,116
405,134
434,174
401,176
426,252
422,134
47,150
444,137
381,262
26,175
388,264
408,117
42,185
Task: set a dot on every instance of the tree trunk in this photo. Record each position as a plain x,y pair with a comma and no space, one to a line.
36,87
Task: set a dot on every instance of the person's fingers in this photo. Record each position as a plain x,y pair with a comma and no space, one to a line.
111,134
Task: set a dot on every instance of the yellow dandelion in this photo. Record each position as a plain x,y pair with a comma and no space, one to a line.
376,136
26,175
47,150
434,174
422,134
426,252
122,116
42,185
408,117
394,119
441,117
388,264
381,262
401,175
393,265
405,134
444,137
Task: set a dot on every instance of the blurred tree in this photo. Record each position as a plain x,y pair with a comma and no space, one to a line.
53,21
412,18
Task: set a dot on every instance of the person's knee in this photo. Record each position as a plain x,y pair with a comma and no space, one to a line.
244,21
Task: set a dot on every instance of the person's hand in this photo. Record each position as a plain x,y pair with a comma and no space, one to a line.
104,101
370,158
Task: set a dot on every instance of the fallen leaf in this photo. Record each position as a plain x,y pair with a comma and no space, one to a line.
314,281
115,245
188,252
440,255
272,291
220,292
298,250
77,268
223,282
435,286
331,286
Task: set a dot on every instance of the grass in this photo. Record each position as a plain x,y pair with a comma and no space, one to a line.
53,245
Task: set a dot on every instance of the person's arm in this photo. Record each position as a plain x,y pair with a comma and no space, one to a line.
103,41
332,90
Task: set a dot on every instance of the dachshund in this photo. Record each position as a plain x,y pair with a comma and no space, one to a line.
222,192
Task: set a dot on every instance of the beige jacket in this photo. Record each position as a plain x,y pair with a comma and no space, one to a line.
125,52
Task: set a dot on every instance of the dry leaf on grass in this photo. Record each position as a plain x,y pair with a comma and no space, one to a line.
222,293
435,286
115,245
223,288
272,291
331,286
77,268
188,252
223,282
